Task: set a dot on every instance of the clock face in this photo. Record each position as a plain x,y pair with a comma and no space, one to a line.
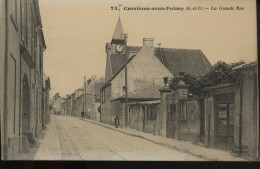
119,48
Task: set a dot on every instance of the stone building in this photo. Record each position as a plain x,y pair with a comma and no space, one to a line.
22,47
146,64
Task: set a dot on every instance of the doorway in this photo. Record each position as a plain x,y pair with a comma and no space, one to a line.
225,125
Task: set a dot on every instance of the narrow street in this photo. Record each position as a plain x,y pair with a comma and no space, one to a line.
69,138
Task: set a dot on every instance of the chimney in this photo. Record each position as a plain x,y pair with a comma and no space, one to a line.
148,42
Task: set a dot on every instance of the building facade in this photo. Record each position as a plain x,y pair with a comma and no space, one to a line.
145,64
22,47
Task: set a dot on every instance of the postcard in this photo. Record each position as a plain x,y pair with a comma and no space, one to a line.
129,80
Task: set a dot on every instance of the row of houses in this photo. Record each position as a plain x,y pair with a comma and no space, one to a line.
84,99
227,117
24,88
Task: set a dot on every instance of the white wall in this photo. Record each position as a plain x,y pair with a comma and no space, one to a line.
144,69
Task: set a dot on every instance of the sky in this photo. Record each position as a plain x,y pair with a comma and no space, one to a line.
76,32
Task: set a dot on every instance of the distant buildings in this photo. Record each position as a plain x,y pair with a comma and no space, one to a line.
56,104
24,89
83,99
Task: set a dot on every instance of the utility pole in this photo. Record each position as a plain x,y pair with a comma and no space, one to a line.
126,86
85,99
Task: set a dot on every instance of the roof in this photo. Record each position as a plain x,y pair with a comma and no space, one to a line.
146,102
150,91
118,31
246,65
78,93
190,61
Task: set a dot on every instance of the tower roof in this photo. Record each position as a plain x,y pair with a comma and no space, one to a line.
118,31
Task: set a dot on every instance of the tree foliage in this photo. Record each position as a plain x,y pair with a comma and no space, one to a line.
219,74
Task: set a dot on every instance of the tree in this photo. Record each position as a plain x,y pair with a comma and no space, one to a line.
219,74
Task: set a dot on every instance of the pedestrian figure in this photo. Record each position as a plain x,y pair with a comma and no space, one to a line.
116,121
82,115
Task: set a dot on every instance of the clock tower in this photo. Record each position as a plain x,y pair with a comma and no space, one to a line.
118,41
115,50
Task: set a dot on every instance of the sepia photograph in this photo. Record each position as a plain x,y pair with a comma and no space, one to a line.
129,80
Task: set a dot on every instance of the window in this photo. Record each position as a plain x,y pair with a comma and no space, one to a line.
151,112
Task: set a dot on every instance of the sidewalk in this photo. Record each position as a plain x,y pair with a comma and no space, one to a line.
49,149
182,146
